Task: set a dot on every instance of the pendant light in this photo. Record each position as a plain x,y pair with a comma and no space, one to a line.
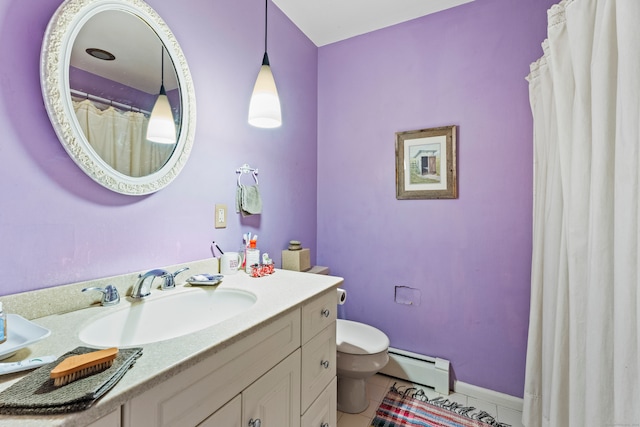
264,108
162,128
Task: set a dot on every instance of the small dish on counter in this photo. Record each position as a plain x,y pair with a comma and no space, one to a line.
205,279
20,333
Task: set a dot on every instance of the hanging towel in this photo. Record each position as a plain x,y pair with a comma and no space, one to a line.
248,200
239,198
35,394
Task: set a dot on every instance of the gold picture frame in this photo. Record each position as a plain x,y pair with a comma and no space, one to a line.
426,164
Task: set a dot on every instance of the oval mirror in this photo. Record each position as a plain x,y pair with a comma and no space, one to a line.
119,93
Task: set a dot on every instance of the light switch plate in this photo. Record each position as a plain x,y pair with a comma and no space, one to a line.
221,216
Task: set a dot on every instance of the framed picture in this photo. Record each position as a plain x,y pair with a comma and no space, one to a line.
426,164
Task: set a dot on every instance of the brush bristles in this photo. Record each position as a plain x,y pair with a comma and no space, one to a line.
90,370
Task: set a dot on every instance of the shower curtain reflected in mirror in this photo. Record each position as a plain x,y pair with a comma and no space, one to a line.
583,354
119,139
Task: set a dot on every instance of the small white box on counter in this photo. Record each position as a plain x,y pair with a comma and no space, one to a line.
296,260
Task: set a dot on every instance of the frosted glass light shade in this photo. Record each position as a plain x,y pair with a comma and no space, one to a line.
161,128
264,107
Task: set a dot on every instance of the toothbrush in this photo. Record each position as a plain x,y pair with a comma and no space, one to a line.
9,368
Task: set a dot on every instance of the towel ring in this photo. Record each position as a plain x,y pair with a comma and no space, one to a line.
247,169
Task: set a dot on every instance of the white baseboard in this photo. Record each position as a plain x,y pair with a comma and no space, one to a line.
500,399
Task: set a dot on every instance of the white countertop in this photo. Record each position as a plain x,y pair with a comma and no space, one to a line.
276,294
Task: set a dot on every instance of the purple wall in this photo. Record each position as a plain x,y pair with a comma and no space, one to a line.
94,84
57,226
469,258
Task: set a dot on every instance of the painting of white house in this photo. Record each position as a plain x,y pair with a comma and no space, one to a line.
424,158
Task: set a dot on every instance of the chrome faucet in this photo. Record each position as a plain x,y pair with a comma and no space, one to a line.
142,288
169,280
110,294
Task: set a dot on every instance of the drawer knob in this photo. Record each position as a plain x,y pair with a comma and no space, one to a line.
324,425
254,423
325,364
325,312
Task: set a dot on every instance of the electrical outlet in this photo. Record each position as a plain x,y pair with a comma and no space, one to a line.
221,216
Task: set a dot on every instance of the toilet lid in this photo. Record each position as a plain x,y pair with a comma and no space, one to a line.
358,338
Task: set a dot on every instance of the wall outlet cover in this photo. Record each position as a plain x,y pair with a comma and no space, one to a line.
221,216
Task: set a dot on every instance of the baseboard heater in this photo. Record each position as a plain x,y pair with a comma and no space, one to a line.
416,368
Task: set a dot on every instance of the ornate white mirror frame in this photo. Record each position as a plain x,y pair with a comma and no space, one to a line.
61,32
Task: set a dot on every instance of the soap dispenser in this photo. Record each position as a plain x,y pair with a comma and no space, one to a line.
252,256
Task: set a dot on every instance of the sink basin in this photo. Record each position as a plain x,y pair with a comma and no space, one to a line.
167,317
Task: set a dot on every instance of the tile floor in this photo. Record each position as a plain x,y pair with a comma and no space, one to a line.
378,385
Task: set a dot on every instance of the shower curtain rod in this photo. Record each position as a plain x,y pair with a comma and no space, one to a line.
106,101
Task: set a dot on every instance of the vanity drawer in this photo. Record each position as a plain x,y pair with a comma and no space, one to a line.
323,412
318,314
318,364
227,416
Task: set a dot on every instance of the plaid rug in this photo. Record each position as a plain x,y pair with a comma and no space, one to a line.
412,408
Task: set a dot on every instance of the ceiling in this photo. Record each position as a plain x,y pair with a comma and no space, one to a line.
329,21
137,65
323,21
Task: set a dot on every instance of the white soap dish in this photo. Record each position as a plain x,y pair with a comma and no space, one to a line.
205,279
20,333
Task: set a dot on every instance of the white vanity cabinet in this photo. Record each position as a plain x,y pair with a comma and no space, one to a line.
282,374
273,400
228,416
319,390
190,397
323,412
112,419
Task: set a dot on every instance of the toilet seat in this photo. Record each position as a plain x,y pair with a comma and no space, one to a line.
359,338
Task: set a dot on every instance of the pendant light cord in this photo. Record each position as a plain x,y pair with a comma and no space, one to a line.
265,25
161,65
265,58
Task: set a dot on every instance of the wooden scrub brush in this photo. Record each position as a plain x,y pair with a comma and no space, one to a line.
75,367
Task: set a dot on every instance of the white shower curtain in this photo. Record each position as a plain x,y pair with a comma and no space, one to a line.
583,355
119,138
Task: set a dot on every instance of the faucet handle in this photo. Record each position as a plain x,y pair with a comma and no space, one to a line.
110,295
169,279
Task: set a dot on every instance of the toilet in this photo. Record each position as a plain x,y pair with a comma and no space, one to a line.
361,353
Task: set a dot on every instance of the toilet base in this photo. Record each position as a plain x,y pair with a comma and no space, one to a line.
352,395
